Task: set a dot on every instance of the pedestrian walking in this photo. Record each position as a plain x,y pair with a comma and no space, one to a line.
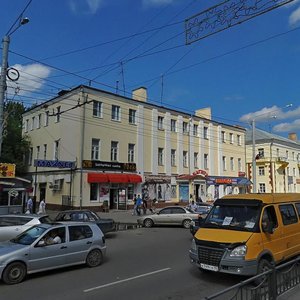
139,204
134,205
145,206
42,207
29,206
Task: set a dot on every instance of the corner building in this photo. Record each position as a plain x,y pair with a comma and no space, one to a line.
91,147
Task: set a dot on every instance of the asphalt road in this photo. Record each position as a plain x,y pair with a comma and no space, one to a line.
140,264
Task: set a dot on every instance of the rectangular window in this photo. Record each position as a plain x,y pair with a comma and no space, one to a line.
293,155
288,214
160,156
185,159
205,132
38,152
262,188
224,163
114,151
115,113
205,161
196,160
160,123
97,109
287,154
173,125
58,114
239,140
231,164
223,136
30,156
261,152
94,191
173,157
39,120
261,171
132,116
131,152
185,128
45,151
56,150
195,130
231,138
26,125
95,154
277,152
239,165
32,123
46,118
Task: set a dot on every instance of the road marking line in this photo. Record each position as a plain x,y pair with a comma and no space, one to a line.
124,280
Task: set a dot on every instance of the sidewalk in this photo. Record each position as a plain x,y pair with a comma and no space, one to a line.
119,216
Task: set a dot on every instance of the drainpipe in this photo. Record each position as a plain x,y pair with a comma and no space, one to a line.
82,147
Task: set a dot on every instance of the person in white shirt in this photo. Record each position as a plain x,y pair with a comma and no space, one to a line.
42,207
53,238
193,206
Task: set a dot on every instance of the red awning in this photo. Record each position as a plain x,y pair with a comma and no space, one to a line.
97,177
133,178
114,178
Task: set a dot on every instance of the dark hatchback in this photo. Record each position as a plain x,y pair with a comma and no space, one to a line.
106,225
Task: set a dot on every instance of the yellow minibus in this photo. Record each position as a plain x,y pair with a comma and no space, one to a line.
248,233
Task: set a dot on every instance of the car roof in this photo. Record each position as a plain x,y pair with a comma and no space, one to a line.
75,211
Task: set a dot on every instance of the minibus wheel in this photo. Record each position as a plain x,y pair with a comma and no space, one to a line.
263,266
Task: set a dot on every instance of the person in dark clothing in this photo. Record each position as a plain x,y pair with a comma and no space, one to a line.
145,206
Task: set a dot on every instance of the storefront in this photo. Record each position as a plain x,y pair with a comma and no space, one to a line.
158,187
219,186
112,186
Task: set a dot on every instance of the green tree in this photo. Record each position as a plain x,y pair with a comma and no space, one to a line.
15,147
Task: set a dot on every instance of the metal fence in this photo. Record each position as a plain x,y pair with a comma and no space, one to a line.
266,286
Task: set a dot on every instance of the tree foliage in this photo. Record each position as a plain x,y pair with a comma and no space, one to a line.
15,147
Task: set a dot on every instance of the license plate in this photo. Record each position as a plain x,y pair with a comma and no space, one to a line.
209,267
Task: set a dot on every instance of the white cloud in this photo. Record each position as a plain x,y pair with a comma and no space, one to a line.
157,2
288,127
294,17
31,78
270,112
85,6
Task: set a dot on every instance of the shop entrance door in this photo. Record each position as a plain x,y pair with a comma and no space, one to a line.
113,198
122,199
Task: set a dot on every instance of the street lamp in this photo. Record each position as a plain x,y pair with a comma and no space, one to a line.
4,67
253,146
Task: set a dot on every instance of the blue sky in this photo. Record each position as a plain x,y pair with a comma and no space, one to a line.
250,71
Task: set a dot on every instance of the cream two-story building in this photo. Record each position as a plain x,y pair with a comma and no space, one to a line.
277,161
91,146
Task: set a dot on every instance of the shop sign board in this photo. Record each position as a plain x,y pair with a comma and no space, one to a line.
200,172
107,165
7,170
42,163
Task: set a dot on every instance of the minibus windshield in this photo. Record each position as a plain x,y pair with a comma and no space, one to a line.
233,217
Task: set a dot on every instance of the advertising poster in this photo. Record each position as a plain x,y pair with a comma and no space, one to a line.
103,192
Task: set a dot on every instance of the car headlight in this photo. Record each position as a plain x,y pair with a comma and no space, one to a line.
239,251
194,246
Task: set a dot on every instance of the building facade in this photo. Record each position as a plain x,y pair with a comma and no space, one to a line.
91,147
277,162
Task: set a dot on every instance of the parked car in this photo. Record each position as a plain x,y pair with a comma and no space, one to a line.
170,215
13,225
51,246
203,210
106,225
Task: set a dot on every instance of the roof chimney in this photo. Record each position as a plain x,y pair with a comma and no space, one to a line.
140,94
293,136
204,113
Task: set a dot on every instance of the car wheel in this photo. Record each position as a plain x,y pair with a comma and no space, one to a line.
148,223
14,273
186,223
94,258
263,266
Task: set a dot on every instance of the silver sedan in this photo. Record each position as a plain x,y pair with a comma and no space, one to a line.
50,246
171,215
13,225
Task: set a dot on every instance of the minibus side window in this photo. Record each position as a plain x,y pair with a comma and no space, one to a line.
269,216
288,214
298,208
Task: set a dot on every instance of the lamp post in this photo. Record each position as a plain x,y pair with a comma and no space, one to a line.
4,68
253,146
